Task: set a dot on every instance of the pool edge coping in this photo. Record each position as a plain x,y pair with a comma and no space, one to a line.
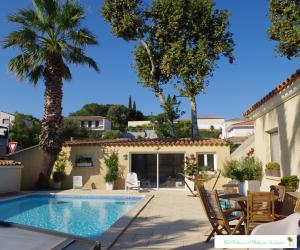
110,236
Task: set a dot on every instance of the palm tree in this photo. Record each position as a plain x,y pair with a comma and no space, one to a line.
49,38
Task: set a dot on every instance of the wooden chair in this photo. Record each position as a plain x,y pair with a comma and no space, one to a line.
279,191
218,218
260,209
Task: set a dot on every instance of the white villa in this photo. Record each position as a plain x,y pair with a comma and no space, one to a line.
96,123
277,127
209,122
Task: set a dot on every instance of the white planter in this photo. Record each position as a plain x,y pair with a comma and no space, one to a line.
190,183
252,186
109,186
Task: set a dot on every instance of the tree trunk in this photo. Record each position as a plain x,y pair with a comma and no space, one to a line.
50,138
157,90
194,125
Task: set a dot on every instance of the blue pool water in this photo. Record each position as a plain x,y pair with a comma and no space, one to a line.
85,216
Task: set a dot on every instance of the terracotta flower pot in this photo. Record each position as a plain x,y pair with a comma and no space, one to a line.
268,172
275,172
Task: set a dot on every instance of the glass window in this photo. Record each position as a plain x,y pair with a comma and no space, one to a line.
5,121
201,162
89,124
275,147
97,124
82,124
206,162
210,162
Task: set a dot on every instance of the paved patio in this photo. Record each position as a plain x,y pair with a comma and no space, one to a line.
172,220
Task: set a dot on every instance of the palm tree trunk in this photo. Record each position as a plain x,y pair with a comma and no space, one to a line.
50,138
194,125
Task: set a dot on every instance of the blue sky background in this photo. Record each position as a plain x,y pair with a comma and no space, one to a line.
233,88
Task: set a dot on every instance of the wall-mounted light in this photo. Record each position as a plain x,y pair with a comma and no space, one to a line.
125,157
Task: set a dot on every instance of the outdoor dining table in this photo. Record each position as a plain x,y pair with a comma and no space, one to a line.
241,200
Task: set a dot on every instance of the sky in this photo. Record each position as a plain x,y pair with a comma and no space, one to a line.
232,89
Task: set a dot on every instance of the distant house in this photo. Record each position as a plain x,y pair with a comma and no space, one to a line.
97,123
3,140
277,127
6,120
240,129
212,122
134,124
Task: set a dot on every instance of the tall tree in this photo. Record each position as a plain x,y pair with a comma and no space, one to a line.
49,38
130,103
197,36
285,26
134,107
129,20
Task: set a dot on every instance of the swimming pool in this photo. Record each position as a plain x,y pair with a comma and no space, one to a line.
86,216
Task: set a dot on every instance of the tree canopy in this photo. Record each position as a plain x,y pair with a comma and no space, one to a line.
285,26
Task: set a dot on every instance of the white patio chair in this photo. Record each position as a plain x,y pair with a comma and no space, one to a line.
286,226
77,182
132,181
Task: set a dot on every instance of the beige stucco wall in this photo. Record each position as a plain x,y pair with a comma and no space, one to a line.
282,113
93,177
33,159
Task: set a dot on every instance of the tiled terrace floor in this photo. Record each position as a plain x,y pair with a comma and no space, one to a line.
172,220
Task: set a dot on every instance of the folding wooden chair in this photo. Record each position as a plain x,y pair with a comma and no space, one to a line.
260,209
218,217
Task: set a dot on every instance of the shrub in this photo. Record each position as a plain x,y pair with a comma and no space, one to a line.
112,163
272,165
291,183
246,168
111,134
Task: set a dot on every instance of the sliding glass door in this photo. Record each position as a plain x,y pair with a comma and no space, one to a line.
159,170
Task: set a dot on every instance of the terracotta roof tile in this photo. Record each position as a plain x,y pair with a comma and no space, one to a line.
149,142
274,92
244,123
9,163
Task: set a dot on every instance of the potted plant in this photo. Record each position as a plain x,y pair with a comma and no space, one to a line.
59,170
273,169
291,183
247,170
112,163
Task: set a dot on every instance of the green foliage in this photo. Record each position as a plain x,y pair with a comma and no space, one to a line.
59,167
49,30
285,26
232,146
25,130
112,163
71,128
111,134
291,183
93,109
164,123
246,168
272,165
205,133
